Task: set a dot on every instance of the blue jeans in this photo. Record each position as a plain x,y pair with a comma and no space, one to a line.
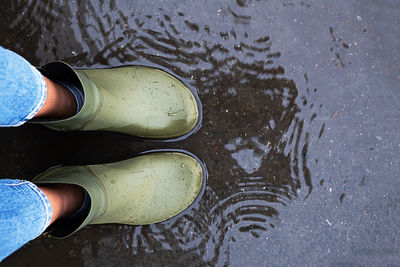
22,89
25,212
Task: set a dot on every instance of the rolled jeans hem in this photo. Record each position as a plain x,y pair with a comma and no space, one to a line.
26,213
42,88
23,89
46,204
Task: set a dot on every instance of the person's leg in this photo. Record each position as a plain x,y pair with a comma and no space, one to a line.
25,93
27,210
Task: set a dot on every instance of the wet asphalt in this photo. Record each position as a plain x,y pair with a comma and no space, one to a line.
300,132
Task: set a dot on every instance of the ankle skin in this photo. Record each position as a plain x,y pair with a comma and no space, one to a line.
60,102
65,199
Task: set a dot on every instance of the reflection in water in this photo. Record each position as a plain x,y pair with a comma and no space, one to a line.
254,137
246,158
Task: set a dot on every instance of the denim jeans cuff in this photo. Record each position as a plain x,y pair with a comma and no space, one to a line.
46,204
42,89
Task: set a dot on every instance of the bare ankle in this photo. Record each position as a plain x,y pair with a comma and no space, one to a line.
65,199
60,102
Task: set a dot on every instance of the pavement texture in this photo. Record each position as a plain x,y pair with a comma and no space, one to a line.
300,132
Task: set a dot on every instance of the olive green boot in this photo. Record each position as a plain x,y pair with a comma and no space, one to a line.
137,100
146,189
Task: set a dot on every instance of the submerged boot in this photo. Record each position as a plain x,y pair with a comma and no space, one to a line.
147,189
136,100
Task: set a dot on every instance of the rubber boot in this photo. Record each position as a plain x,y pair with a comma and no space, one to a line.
136,100
146,189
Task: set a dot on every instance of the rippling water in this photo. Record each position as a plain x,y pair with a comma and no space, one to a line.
256,126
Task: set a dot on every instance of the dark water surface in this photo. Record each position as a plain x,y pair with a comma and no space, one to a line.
300,133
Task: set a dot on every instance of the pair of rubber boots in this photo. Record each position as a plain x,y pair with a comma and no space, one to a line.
140,101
